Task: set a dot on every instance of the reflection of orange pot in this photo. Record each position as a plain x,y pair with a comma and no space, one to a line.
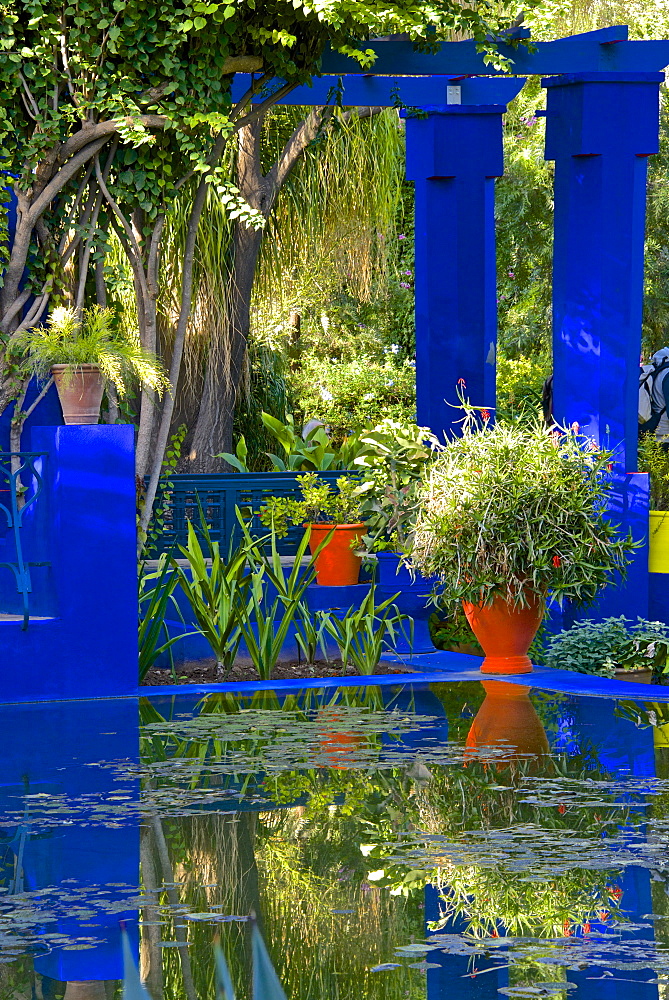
334,743
337,565
506,633
507,717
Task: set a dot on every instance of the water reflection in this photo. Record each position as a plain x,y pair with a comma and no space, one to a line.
461,841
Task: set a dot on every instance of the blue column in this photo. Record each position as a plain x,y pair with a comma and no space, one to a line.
454,155
599,130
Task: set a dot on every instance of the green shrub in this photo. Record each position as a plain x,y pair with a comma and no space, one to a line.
349,396
319,503
519,385
514,512
614,644
654,459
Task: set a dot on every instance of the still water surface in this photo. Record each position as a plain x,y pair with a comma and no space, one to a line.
456,842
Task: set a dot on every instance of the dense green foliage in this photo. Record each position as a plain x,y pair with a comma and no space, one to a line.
654,459
614,644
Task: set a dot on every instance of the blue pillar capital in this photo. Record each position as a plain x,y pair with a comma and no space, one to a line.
455,141
590,114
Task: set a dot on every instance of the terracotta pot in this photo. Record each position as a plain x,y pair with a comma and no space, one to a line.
337,565
505,632
80,392
507,718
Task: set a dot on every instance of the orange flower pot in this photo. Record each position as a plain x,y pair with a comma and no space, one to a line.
507,718
337,565
505,632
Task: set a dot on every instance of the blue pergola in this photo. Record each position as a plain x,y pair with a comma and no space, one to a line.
602,123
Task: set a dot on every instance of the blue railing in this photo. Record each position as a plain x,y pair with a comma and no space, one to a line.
16,498
183,496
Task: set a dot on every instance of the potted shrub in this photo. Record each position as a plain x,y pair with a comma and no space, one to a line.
507,514
654,459
83,355
325,511
613,648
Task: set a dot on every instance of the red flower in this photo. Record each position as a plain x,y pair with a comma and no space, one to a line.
616,892
461,381
586,927
603,915
566,929
485,414
562,809
557,562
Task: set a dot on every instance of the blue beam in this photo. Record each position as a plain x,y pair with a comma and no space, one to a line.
605,51
384,91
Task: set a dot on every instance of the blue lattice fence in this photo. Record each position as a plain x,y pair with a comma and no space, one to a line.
179,501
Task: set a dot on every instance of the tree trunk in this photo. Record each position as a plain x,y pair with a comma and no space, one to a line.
213,430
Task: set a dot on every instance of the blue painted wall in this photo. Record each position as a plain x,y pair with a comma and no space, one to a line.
84,526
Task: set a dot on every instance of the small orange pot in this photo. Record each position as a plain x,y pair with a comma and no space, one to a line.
505,632
507,718
80,390
337,565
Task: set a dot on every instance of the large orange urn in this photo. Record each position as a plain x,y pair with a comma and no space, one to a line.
505,631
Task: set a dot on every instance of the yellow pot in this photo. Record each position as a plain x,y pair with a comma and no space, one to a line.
658,542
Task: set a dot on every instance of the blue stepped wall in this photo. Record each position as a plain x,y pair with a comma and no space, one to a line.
83,525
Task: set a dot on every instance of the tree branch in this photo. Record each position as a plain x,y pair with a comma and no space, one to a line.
65,174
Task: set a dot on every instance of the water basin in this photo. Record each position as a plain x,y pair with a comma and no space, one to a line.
467,840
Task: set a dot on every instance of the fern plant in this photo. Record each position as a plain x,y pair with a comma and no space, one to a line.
93,340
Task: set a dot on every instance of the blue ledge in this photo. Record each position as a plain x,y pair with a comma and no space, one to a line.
459,667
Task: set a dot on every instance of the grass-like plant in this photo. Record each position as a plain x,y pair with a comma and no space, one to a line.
364,633
93,340
514,512
265,626
156,597
217,591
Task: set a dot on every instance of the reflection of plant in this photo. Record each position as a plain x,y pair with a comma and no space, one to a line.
319,503
614,644
492,898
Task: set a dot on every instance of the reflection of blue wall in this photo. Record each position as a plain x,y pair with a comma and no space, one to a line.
62,749
453,980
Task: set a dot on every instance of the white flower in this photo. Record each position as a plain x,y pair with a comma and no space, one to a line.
369,397
326,395
394,348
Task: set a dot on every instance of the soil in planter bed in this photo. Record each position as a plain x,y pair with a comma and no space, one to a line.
204,672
